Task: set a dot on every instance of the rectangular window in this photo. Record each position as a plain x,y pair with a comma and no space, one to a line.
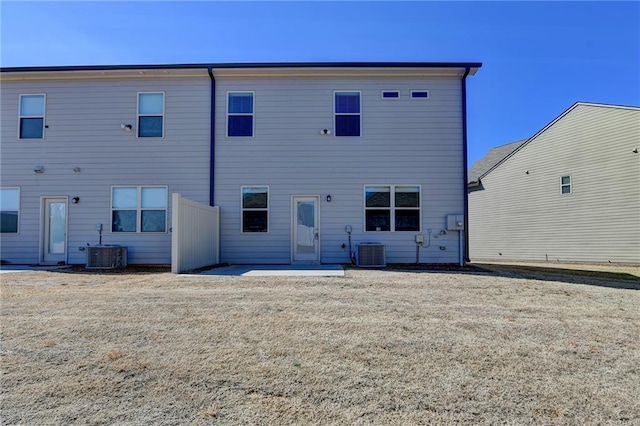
9,210
139,209
32,116
392,208
390,94
240,114
419,94
151,115
255,209
565,184
347,113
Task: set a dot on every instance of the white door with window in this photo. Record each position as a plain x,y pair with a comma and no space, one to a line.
54,230
306,237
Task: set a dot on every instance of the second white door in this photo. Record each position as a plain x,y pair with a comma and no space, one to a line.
306,237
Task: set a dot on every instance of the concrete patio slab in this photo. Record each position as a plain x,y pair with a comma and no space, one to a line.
6,269
274,271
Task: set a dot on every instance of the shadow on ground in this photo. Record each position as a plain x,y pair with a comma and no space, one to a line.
570,276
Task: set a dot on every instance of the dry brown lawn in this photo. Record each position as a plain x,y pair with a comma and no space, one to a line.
375,347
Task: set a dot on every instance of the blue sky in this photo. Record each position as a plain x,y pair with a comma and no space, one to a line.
539,57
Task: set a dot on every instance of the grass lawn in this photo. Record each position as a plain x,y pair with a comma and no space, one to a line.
376,347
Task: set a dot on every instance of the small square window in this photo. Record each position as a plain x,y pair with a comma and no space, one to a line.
390,94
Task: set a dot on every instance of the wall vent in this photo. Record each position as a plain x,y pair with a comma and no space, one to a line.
106,257
371,255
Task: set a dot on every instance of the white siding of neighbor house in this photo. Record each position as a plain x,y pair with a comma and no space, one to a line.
84,118
521,216
404,141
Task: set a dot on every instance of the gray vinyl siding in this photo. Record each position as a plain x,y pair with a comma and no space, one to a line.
525,216
404,141
84,118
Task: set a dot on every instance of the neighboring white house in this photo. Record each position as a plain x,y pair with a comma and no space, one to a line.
294,155
570,193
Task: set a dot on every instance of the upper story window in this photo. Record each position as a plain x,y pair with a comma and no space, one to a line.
255,209
32,116
392,208
390,94
139,209
347,113
565,184
9,210
151,115
240,113
419,94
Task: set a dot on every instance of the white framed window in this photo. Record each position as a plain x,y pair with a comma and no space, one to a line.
255,208
392,208
419,94
240,111
390,94
565,185
347,113
150,114
139,209
9,210
32,113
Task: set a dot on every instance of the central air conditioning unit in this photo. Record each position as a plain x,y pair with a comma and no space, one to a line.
371,255
106,257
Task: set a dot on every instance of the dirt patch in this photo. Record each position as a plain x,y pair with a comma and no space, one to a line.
374,347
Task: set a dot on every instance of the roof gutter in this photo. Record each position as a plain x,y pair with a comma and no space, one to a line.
464,163
210,66
212,139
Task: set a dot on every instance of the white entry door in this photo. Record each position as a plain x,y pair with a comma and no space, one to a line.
54,235
306,238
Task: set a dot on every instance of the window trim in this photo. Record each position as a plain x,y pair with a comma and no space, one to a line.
138,115
244,114
19,205
242,209
20,116
335,128
392,98
569,185
139,210
420,97
392,206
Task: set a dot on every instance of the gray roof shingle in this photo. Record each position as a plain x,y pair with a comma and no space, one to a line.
493,157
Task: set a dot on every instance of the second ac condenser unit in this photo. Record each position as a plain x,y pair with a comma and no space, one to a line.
106,257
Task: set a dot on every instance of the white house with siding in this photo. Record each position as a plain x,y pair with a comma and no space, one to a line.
293,156
570,193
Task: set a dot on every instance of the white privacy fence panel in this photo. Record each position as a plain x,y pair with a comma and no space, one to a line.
195,240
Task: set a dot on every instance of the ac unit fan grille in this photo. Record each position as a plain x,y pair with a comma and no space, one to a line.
106,257
371,255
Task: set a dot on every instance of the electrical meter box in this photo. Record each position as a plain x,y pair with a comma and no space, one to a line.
455,222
